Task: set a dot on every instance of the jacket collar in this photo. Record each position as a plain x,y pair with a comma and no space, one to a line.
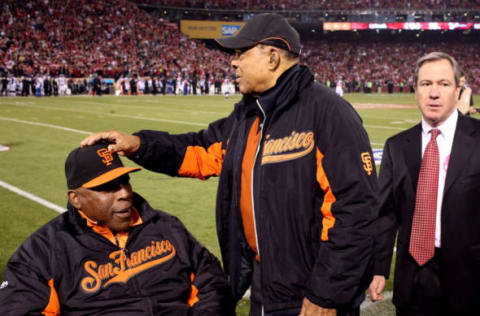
413,152
293,80
144,213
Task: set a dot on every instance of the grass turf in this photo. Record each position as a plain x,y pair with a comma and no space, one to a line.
42,131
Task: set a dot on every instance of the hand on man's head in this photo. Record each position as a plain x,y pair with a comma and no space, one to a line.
119,142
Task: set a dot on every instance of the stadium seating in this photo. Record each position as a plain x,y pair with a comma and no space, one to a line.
81,37
317,4
116,39
380,63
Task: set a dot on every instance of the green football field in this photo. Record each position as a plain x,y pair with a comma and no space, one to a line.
42,131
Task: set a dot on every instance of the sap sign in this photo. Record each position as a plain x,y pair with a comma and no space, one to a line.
229,30
377,156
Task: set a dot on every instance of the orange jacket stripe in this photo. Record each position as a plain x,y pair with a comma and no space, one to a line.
202,163
194,294
326,209
246,203
53,307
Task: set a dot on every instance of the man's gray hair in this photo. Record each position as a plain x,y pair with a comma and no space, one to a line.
434,56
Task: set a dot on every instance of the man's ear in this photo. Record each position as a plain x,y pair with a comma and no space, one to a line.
274,59
74,199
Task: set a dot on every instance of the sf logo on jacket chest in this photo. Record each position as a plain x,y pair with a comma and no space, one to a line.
367,162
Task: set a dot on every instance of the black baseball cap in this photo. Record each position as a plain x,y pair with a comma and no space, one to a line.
267,28
91,166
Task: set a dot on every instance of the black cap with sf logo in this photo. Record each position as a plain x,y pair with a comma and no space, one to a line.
267,28
91,166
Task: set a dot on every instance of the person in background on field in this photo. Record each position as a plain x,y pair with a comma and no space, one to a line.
111,253
429,188
339,87
296,197
465,98
226,87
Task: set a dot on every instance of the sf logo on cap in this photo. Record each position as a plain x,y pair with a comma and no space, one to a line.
106,155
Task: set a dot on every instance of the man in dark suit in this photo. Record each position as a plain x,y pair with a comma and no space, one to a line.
432,202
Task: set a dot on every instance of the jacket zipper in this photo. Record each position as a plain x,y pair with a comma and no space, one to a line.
134,283
124,249
252,177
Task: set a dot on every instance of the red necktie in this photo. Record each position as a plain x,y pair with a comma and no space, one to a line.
422,238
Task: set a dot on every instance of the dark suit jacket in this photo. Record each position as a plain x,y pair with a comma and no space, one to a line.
460,222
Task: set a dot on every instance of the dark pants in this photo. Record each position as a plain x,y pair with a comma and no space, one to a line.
256,301
428,293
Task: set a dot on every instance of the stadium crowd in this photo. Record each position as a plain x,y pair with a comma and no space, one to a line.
111,38
44,39
365,66
317,4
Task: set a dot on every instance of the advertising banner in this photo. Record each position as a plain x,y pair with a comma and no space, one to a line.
209,29
411,26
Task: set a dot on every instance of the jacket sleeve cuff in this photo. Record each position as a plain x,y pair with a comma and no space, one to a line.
140,153
325,303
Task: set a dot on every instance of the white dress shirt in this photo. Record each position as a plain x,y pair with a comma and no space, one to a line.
444,142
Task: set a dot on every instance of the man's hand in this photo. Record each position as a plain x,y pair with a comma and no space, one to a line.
376,287
311,309
122,143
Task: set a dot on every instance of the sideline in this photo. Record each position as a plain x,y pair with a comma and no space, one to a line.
32,197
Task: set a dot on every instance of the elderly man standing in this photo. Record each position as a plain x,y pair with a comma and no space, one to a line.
429,187
297,188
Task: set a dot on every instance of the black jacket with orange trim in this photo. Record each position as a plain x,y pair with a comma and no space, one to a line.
65,268
314,191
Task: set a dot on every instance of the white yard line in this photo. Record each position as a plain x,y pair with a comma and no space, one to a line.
32,197
108,114
385,127
46,125
72,129
136,107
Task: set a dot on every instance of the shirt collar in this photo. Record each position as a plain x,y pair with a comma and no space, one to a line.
447,128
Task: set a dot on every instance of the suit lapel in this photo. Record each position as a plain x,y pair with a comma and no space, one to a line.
461,150
413,153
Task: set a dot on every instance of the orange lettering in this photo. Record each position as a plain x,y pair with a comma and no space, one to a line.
91,284
141,256
133,259
119,259
291,141
148,253
308,140
123,268
158,250
299,141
